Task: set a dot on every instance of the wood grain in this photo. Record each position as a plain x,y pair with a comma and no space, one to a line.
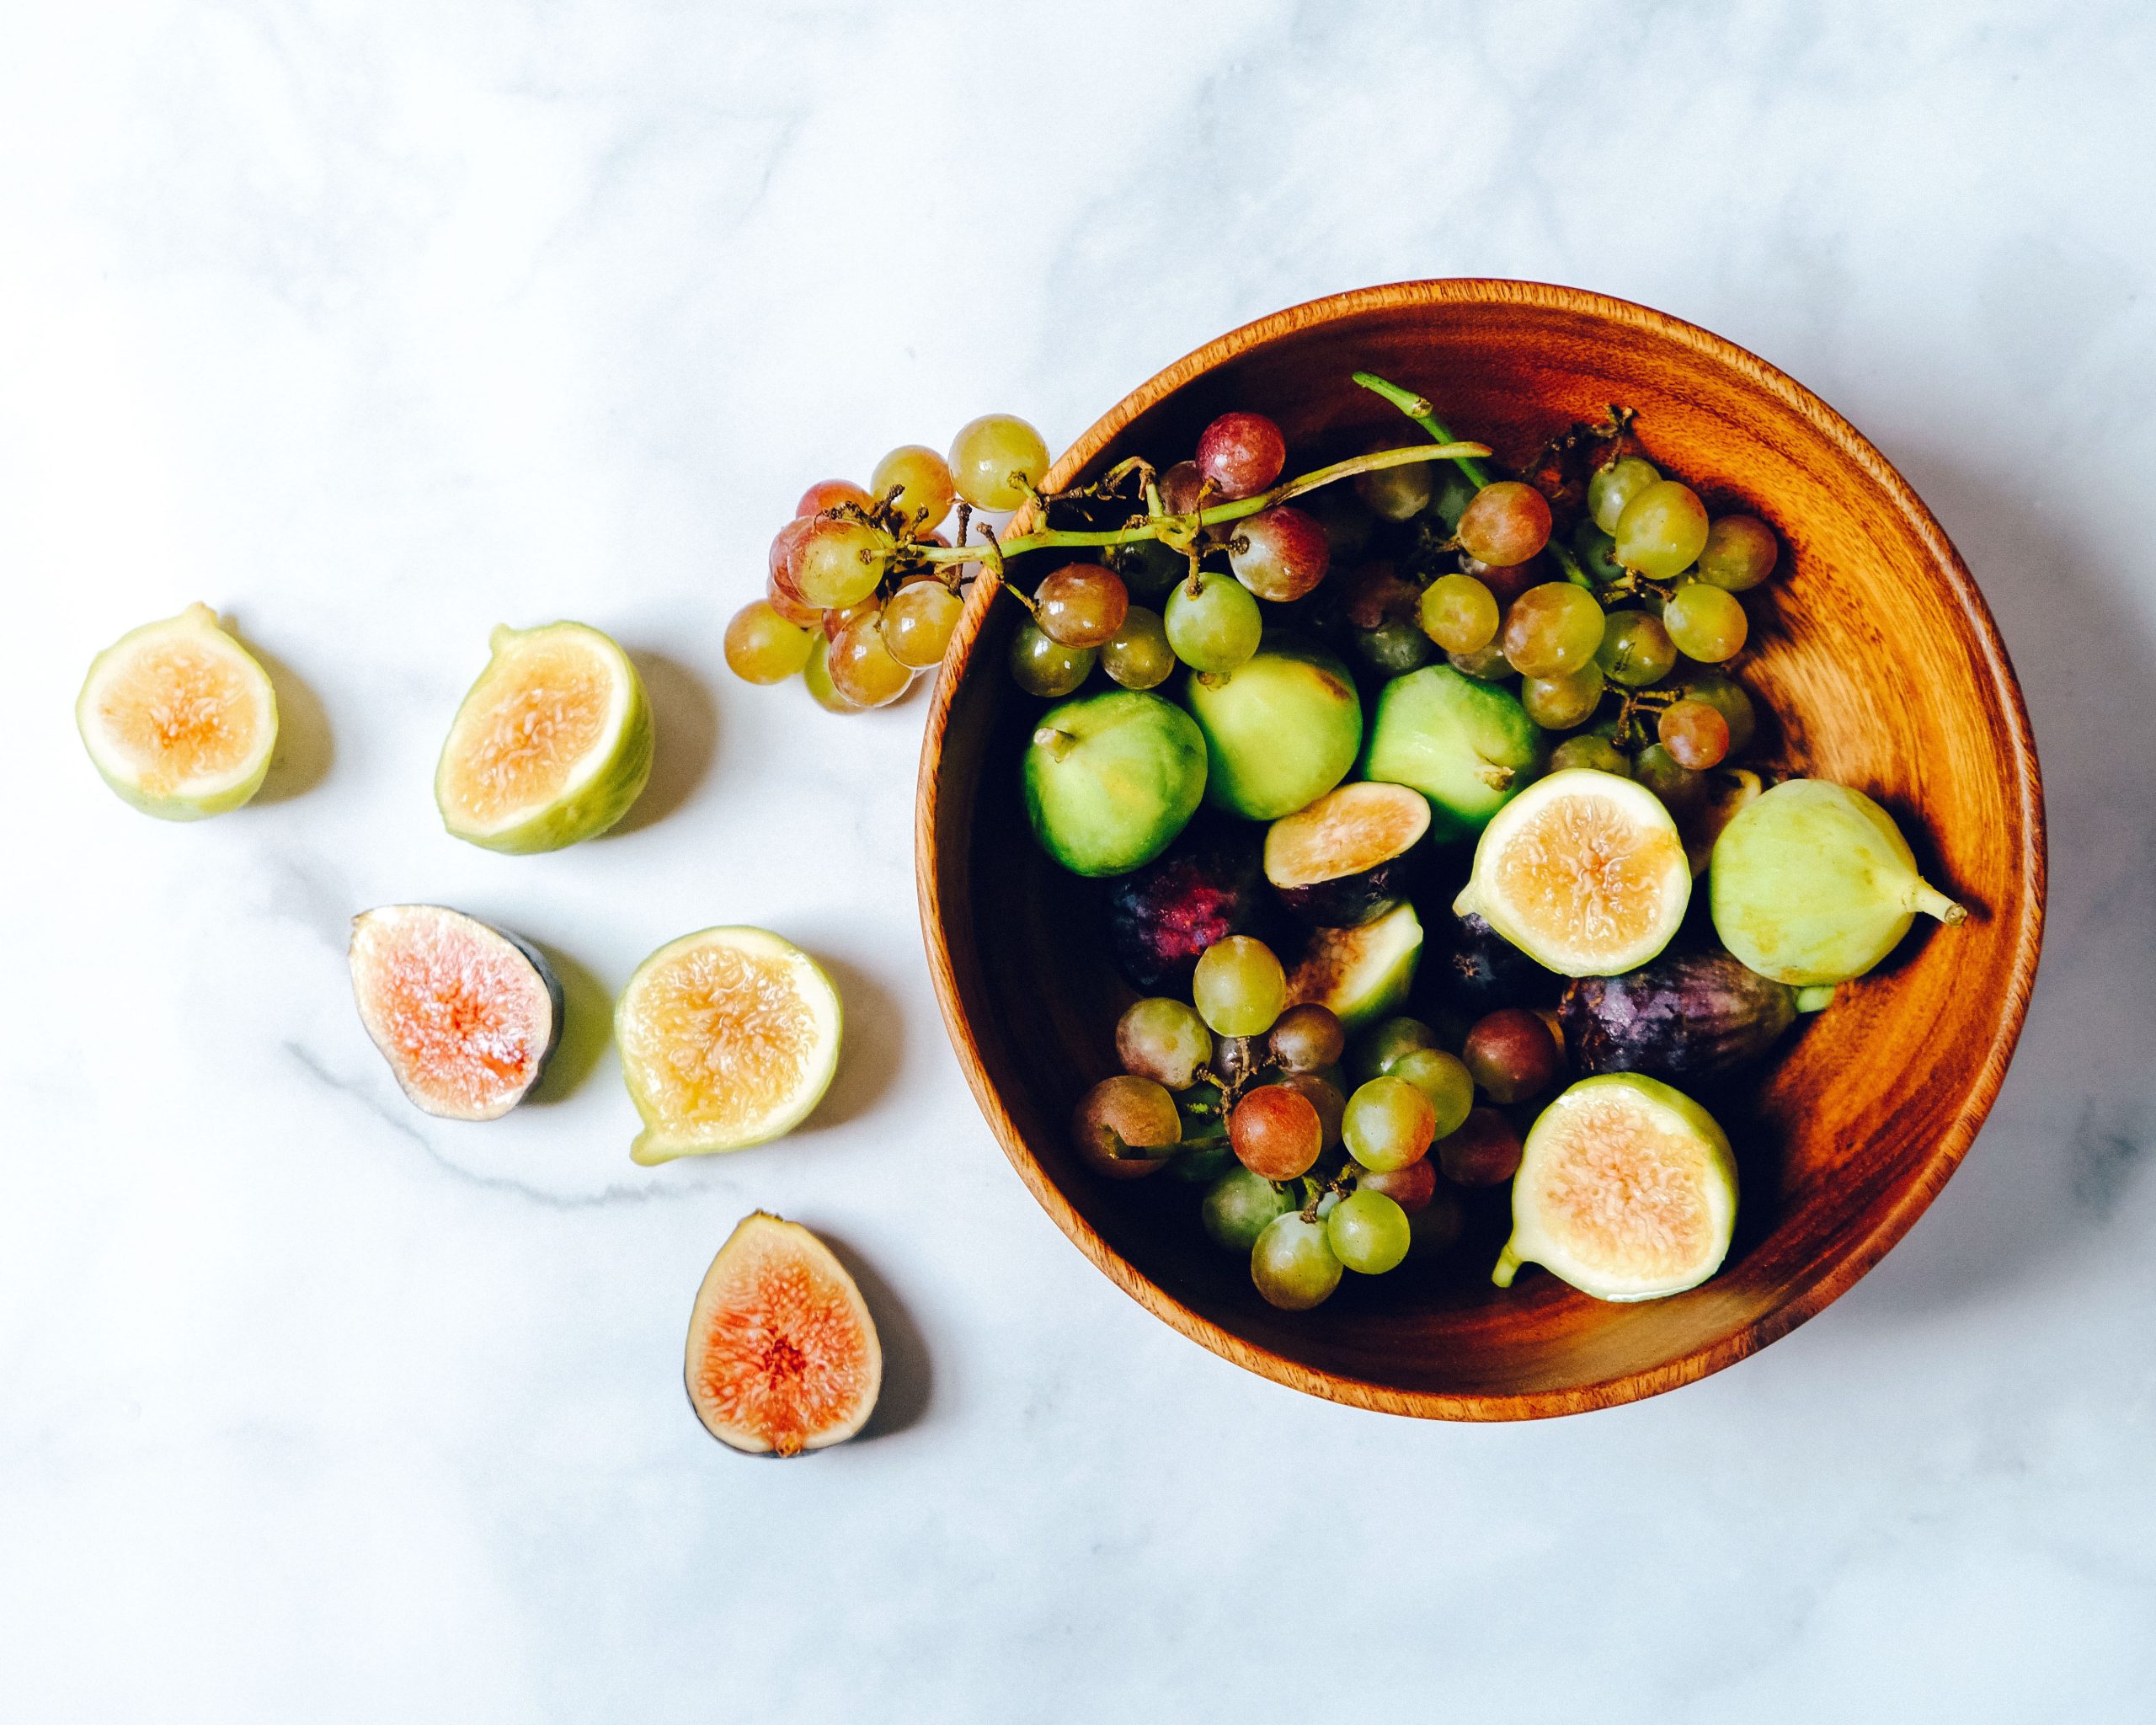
1883,669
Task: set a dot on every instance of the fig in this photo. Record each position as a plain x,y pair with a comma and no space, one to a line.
1584,872
1359,974
1467,746
1813,884
1626,1189
1347,859
1281,729
1479,971
465,1014
178,718
1110,779
782,1354
1205,887
1685,1015
728,1037
550,746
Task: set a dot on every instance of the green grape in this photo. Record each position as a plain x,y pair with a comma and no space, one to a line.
1395,647
1552,630
1238,1206
1381,1048
1558,703
1293,1264
1681,789
1213,622
1165,1040
1739,553
1507,523
1137,656
762,647
918,623
817,674
1663,530
1459,613
1445,1080
840,563
1307,1038
1451,494
1635,649
994,459
1616,485
924,483
1389,1123
860,666
1695,735
1126,1128
1081,605
1727,698
1276,1132
1048,668
1705,623
1367,1232
1238,986
1597,754
1148,567
1397,493
1597,552
1485,664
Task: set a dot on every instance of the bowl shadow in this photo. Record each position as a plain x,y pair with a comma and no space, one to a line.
685,716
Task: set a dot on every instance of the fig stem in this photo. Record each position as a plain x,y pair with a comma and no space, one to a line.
1815,999
1057,743
1509,1263
1926,898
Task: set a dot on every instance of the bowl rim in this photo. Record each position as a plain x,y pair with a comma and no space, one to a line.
1847,1267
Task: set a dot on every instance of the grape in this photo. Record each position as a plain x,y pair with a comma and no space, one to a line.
1459,613
1552,630
1695,735
1323,1095
1308,1038
1558,703
1435,1229
1740,552
1727,698
762,647
831,493
1182,490
1389,1124
1242,454
1597,753
1616,485
1138,656
1597,552
1279,553
1680,788
1379,1051
841,562
1484,1152
860,666
1165,1040
1213,622
918,622
1395,647
1347,524
1148,567
1507,523
925,487
1081,605
1367,1232
1487,665
1126,1128
1450,493
1048,668
1442,1078
1275,1133
1635,649
788,603
1396,493
1411,1188
1706,623
1512,1055
1662,531
1237,1207
839,616
817,674
1237,1058
1375,593
994,459
1505,582
1293,1264
1238,986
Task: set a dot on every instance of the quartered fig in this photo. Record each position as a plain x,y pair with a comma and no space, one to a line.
1687,1016
1346,859
1360,974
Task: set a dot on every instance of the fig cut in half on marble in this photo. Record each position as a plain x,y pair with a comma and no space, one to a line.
178,718
728,1037
782,1354
551,745
1345,860
466,1015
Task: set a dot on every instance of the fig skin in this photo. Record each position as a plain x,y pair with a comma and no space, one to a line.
1687,1016
1480,971
1208,885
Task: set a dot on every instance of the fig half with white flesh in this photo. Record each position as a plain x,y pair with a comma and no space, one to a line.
1360,975
465,1014
1346,859
1626,1189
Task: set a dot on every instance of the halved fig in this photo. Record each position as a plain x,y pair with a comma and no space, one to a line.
465,1014
1626,1189
782,1354
1360,974
1345,860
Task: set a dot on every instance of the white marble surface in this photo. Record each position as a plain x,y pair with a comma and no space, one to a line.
375,323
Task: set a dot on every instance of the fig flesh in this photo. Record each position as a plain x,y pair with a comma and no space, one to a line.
782,1354
1281,729
1813,884
1359,974
466,1015
1687,1016
1346,860
1110,779
1467,746
1205,887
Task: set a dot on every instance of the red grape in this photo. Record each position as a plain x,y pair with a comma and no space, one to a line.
1081,605
1275,1132
1279,553
1695,735
1411,1188
1484,1151
1242,454
1506,523
1181,488
1512,1055
830,494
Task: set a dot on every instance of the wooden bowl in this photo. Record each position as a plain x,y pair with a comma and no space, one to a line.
1883,669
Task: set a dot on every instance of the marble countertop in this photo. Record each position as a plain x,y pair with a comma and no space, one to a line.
374,325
